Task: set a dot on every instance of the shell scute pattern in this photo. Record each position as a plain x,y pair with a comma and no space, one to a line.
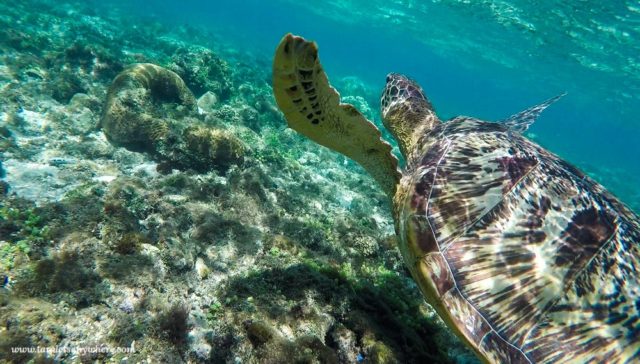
536,250
598,317
499,351
474,326
482,169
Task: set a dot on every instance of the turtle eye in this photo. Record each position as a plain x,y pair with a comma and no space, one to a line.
389,78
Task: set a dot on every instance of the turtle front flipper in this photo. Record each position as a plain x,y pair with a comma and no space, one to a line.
312,107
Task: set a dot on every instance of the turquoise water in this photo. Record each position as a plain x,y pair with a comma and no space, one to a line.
487,59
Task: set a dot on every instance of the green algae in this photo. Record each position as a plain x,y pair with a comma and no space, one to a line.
24,228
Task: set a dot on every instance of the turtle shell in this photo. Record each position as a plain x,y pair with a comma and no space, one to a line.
521,253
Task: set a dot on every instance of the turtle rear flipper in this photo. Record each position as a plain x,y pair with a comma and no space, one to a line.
521,121
312,107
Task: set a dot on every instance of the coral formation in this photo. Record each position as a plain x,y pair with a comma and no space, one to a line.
207,148
203,71
150,108
141,102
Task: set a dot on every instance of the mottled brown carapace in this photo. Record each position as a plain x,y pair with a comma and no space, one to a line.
533,261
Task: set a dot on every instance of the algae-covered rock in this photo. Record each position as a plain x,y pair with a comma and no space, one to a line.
345,342
130,243
213,148
173,326
141,103
272,347
260,333
203,71
65,84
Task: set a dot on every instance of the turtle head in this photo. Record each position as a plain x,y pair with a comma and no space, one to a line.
406,111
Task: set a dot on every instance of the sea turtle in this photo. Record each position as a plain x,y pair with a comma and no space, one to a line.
523,256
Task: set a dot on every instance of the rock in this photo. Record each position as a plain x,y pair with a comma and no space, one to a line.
81,100
201,268
37,181
345,341
207,102
202,351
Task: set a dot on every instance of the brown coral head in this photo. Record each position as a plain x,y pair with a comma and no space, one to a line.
140,103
